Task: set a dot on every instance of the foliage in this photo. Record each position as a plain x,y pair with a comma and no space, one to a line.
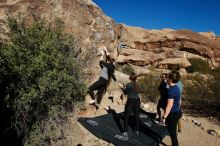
201,94
40,78
127,68
149,84
198,65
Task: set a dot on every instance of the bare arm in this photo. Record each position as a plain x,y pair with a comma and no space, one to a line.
168,109
102,56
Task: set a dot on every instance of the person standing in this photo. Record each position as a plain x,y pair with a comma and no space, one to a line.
180,86
163,89
132,90
106,74
172,111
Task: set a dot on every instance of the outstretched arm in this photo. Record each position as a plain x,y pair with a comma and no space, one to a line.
102,56
102,63
106,51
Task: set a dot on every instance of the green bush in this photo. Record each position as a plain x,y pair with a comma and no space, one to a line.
149,84
41,79
201,95
127,69
198,65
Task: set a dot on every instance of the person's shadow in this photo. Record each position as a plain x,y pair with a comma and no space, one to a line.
142,126
117,117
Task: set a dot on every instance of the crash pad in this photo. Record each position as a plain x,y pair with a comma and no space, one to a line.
109,127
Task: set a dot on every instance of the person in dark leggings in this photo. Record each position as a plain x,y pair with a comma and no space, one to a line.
106,74
132,90
173,112
163,89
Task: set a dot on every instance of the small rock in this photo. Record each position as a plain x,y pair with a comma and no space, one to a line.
212,132
196,123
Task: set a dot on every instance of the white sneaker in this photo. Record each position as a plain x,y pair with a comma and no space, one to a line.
92,102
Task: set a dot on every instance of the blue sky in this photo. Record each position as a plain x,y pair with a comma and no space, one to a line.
196,15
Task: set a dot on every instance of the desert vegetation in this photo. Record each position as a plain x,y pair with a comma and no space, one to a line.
126,68
40,80
201,95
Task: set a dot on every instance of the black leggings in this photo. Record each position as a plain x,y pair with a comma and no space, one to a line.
99,85
132,104
171,123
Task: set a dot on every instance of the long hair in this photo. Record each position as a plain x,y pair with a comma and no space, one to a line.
133,78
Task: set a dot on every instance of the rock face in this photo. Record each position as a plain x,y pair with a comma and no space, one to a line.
168,43
133,45
183,62
83,18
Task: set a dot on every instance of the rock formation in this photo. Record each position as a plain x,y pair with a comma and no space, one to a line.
168,43
132,45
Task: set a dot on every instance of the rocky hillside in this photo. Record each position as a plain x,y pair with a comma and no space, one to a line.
137,46
168,43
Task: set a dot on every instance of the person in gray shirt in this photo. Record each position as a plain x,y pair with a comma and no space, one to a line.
106,74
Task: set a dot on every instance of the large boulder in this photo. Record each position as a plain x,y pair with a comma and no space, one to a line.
138,57
92,28
182,62
205,45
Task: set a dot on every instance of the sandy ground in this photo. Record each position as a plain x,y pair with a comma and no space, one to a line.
193,135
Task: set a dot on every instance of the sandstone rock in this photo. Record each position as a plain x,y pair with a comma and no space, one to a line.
140,71
121,77
182,40
182,62
208,34
86,21
138,57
